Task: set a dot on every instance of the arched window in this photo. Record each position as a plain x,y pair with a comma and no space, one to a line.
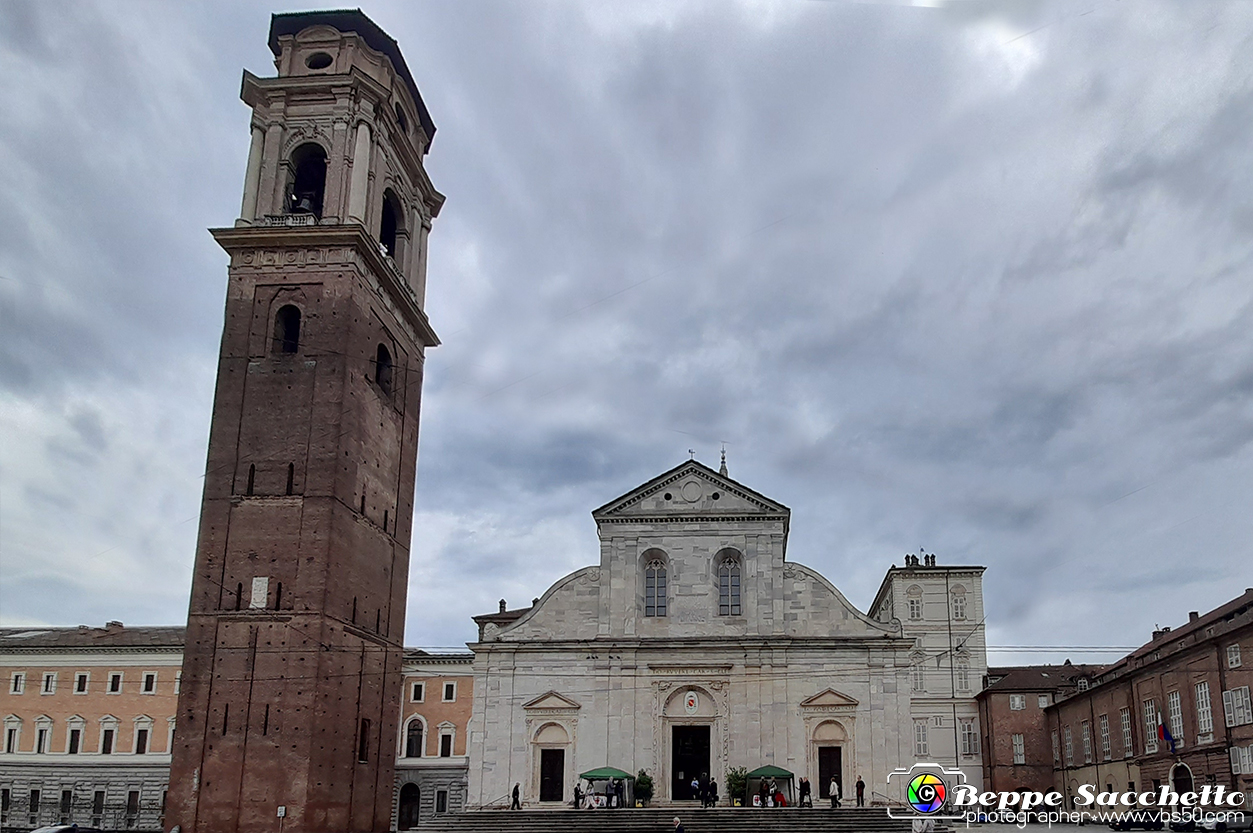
655,588
959,602
308,164
383,369
729,586
413,739
286,330
390,223
913,600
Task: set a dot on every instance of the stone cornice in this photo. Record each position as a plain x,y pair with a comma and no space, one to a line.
239,239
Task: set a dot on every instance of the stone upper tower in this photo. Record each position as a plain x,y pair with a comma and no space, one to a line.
297,610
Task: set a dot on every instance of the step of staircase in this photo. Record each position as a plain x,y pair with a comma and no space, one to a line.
661,820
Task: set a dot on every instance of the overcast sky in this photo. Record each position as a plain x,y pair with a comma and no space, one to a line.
973,278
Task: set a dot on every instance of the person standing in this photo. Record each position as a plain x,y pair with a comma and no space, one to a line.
861,792
517,797
833,790
713,793
678,825
578,794
803,793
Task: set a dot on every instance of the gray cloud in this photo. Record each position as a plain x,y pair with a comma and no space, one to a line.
974,279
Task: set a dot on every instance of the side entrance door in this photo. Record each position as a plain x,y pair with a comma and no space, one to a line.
828,766
552,774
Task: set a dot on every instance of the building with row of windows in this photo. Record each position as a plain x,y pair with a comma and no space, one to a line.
1175,711
89,721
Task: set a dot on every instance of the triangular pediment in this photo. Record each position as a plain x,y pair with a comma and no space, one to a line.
688,489
829,697
551,700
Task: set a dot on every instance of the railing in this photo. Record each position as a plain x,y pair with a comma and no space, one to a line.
289,220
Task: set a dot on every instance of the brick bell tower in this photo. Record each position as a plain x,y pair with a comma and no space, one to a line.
293,659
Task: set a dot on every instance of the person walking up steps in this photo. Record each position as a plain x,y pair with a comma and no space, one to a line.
833,790
517,801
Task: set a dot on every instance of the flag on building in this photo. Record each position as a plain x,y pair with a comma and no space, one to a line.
1164,734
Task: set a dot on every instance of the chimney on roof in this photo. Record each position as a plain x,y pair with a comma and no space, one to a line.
1158,633
84,627
502,605
1193,615
113,626
535,601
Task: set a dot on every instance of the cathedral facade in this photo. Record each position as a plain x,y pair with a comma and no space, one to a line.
695,646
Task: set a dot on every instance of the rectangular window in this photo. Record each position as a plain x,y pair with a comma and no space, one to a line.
445,746
18,683
4,805
115,682
10,739
178,682
80,682
963,676
418,693
450,692
1124,715
67,799
1042,701
1070,746
1233,656
1020,749
363,741
106,742
917,676
1174,712
1057,755
76,739
655,589
729,588
1083,683
920,738
915,609
150,683
33,809
1236,707
141,741
1017,702
97,808
41,741
959,606
132,808
441,801
1204,713
1106,751
970,739
1150,726
50,683
1086,731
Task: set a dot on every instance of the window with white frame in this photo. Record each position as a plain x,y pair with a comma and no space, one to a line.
450,692
1070,746
937,721
178,682
1204,712
1174,713
655,588
74,735
913,600
1233,656
50,683
143,734
1083,683
920,738
959,602
970,738
43,734
1057,755
1042,701
1236,707
17,683
413,739
1106,751
1017,702
918,674
115,682
1242,760
1150,726
1124,715
1020,749
417,692
150,683
1086,732
81,681
445,743
963,675
12,733
108,734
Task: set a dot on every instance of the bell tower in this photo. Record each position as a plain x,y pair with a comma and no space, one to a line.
294,632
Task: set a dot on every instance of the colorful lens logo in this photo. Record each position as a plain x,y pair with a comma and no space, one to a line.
926,793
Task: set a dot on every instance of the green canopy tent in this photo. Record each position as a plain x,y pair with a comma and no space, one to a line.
603,776
783,779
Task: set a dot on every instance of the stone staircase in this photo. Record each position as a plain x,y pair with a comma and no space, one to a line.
661,820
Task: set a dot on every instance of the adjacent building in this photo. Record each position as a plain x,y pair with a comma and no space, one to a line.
694,645
89,717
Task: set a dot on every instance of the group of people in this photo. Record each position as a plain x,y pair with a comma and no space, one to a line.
835,791
614,795
706,789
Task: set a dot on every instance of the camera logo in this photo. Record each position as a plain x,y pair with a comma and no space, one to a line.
926,793
923,790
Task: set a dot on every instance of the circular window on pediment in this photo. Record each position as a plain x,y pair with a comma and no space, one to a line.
318,60
691,491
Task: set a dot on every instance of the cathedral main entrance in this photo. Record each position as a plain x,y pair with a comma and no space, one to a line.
690,750
829,767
